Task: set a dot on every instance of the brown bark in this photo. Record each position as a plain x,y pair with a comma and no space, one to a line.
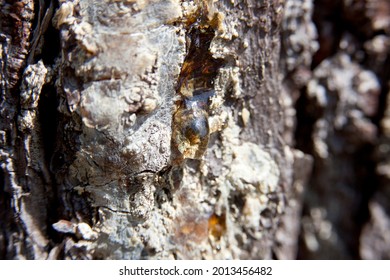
175,130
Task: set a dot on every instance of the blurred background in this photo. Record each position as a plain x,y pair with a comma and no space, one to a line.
336,55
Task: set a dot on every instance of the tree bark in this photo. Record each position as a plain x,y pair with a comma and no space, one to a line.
184,130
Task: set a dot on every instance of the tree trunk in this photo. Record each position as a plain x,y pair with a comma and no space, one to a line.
175,129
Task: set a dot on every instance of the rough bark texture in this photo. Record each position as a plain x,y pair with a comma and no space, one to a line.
194,129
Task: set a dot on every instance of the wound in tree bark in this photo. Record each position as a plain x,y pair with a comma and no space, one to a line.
195,89
217,225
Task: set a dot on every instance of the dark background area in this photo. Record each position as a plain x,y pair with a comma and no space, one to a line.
343,121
